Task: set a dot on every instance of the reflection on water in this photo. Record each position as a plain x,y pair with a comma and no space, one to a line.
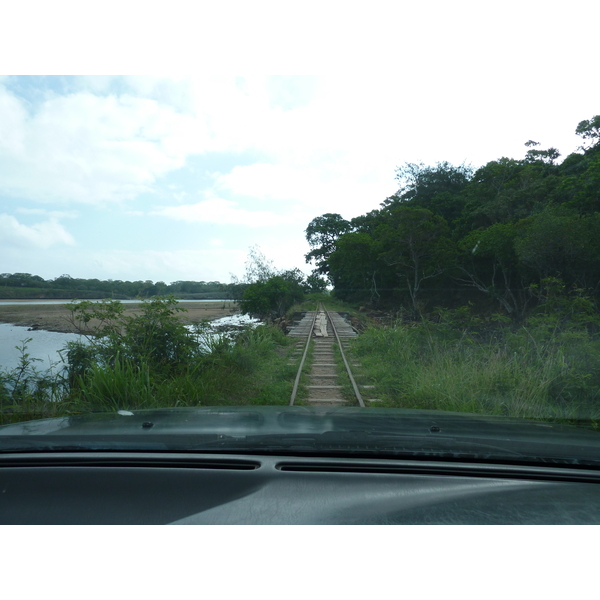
233,321
46,344
224,327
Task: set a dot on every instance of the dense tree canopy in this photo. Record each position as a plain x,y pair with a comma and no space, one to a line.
490,236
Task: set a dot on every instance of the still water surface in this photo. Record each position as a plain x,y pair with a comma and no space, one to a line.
43,345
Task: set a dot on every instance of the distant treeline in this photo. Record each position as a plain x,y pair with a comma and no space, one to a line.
503,237
25,285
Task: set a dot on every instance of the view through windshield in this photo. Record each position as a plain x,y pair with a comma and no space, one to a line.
364,292
198,242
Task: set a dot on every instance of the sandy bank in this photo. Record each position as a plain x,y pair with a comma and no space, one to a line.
55,317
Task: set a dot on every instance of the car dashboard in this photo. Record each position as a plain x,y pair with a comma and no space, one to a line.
216,489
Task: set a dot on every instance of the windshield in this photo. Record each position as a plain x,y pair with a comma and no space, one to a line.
300,264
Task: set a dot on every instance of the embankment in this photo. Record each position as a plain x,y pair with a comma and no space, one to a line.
55,317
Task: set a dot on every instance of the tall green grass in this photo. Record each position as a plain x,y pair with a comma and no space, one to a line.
531,373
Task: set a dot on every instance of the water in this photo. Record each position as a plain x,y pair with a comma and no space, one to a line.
46,344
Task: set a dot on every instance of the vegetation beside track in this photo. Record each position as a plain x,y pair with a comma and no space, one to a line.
150,361
548,368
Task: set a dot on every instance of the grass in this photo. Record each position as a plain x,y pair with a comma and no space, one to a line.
252,369
542,370
522,375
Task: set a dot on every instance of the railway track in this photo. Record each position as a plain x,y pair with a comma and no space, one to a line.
325,331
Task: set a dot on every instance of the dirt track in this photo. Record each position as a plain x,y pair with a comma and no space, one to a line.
55,317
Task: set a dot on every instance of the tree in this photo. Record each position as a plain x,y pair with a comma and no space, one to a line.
545,156
489,263
589,130
355,267
321,235
258,266
315,284
437,188
580,188
505,191
417,244
258,269
272,298
559,243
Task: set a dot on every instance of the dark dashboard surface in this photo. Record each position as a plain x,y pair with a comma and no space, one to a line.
154,488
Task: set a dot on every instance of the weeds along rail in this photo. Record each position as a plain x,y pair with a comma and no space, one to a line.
357,394
324,388
299,373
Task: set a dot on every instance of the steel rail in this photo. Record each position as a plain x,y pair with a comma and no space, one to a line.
339,343
308,339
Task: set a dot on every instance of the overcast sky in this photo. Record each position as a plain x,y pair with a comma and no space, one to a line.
175,177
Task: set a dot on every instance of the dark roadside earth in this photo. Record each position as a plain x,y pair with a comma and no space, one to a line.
56,317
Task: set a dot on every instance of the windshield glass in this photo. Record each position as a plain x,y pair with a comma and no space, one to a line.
301,263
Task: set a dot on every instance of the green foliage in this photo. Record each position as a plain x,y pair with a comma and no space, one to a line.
451,236
437,188
155,336
315,284
25,285
355,265
124,367
121,385
26,393
417,244
537,372
560,243
321,235
589,129
271,298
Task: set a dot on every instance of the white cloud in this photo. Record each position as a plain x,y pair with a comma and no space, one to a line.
91,149
308,192
222,212
53,214
169,266
40,235
325,144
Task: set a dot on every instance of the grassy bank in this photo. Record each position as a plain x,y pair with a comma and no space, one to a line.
538,371
58,317
151,361
547,367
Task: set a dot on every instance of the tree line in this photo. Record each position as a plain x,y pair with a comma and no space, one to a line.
26,285
501,237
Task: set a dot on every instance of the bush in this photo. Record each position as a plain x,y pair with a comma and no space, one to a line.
538,371
272,298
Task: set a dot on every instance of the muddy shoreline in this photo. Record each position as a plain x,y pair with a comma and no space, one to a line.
55,317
